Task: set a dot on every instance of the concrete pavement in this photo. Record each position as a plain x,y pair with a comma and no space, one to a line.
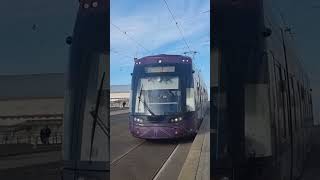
141,159
197,164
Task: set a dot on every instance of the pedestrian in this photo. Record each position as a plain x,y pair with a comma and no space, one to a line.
47,134
123,104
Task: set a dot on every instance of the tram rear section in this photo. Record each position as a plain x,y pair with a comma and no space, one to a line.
263,112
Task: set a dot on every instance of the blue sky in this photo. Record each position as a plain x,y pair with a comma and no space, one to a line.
150,24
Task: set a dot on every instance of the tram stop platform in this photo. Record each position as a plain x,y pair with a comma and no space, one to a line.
312,166
197,164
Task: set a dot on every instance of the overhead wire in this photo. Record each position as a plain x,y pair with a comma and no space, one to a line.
288,29
117,52
181,33
130,37
122,64
143,47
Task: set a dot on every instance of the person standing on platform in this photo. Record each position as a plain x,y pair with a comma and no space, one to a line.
47,134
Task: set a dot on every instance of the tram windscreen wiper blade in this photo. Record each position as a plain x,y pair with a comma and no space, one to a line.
101,124
146,105
144,102
140,93
96,114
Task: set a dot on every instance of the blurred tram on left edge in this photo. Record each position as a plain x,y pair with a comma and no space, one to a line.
168,97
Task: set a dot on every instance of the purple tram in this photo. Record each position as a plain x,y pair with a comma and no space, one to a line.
168,99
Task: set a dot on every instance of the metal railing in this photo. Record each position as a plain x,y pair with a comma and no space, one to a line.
57,139
35,116
117,102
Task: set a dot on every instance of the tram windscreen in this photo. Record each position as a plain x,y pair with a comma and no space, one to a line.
158,95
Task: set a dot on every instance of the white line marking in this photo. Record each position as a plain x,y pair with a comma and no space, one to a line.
156,177
124,154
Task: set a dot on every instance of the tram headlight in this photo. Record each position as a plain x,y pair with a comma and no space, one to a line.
177,119
138,120
224,178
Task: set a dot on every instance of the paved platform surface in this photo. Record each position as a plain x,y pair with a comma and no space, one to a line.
197,164
20,149
312,167
29,159
47,171
141,159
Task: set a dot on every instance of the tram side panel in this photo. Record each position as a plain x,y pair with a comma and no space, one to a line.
86,147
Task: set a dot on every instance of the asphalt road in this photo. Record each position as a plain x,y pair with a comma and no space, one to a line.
141,159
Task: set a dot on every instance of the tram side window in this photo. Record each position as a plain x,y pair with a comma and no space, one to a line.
302,106
277,99
310,105
279,95
283,102
294,104
307,105
298,104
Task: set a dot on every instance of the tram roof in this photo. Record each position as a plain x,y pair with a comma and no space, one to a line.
164,58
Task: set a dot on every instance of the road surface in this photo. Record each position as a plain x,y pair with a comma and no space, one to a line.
141,159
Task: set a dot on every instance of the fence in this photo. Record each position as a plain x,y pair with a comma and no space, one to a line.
118,102
31,140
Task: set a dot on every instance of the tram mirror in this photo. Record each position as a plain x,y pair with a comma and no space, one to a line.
69,40
267,32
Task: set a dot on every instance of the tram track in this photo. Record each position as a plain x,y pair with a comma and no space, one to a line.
113,162
162,169
144,159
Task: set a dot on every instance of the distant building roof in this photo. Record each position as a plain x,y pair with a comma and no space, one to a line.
120,88
25,107
32,86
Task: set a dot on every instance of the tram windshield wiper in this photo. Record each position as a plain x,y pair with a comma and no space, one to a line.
96,119
144,102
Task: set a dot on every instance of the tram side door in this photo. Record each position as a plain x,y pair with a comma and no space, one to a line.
295,131
284,150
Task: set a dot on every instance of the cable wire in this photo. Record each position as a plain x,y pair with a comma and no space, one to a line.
130,37
177,25
117,52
